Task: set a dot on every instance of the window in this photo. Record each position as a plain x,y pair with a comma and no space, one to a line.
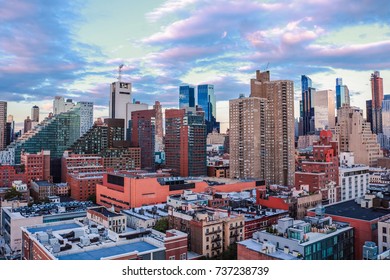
172,257
384,230
183,256
384,238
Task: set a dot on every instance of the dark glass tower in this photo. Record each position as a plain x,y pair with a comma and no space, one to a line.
342,93
206,99
186,96
307,105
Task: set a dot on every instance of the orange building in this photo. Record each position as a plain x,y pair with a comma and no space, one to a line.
125,190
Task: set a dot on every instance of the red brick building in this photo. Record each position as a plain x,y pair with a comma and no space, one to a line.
37,166
320,172
83,185
9,173
143,134
185,142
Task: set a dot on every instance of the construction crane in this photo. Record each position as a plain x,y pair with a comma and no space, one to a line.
120,72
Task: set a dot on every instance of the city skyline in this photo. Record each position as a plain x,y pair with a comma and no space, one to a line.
77,48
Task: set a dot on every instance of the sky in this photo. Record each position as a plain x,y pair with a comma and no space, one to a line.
73,48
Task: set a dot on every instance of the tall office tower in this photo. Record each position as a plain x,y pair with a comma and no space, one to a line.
342,93
86,116
27,124
159,146
385,143
280,163
120,95
206,99
143,132
324,110
3,122
307,105
186,96
35,114
54,134
247,137
185,142
60,105
354,135
377,98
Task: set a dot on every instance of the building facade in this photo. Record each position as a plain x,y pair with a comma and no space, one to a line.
206,99
342,94
280,165
354,135
324,110
377,98
186,96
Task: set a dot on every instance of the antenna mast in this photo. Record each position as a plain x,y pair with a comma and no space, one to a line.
120,72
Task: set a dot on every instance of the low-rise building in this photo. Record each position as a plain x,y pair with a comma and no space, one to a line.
109,219
74,240
13,218
316,238
146,216
40,190
384,235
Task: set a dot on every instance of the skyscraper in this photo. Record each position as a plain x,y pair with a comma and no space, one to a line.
342,93
35,113
307,105
86,116
247,137
280,163
385,143
3,121
324,109
27,124
60,105
143,133
10,134
159,126
354,135
369,112
377,98
186,96
206,99
120,95
185,142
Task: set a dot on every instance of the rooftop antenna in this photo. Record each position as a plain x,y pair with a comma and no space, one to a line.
266,67
120,72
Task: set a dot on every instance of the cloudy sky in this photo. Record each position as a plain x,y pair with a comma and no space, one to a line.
73,48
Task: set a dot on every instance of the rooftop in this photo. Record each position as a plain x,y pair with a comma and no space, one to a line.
105,212
258,246
352,209
43,183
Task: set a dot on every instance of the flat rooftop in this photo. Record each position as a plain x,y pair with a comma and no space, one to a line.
105,212
97,254
253,245
53,227
351,209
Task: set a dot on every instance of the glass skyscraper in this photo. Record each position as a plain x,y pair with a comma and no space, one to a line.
186,96
55,134
307,105
206,99
342,93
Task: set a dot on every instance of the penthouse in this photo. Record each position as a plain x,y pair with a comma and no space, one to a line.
125,190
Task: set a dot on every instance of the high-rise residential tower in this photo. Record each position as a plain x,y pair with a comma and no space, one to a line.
27,124
342,93
385,137
280,163
35,113
185,142
307,105
60,105
377,98
3,122
206,99
324,109
247,137
186,96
